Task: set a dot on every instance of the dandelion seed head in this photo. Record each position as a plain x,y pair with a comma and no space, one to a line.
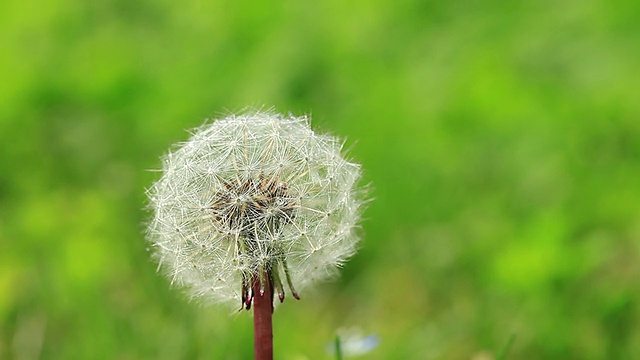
252,192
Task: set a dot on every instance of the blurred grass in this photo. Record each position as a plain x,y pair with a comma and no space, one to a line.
502,140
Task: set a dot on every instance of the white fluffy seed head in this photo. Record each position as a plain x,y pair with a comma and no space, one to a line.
251,190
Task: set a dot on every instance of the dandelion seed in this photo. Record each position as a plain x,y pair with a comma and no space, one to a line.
252,199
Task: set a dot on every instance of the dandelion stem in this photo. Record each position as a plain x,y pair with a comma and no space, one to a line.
262,317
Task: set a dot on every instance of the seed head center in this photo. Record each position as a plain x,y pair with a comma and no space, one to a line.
254,207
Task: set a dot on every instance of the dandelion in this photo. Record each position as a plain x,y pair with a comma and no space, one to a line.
253,202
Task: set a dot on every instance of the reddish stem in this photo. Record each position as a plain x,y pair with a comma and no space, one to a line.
262,325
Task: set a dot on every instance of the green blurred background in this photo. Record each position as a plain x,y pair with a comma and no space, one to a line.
502,140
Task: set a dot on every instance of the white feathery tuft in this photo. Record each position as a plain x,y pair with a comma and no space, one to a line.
252,192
